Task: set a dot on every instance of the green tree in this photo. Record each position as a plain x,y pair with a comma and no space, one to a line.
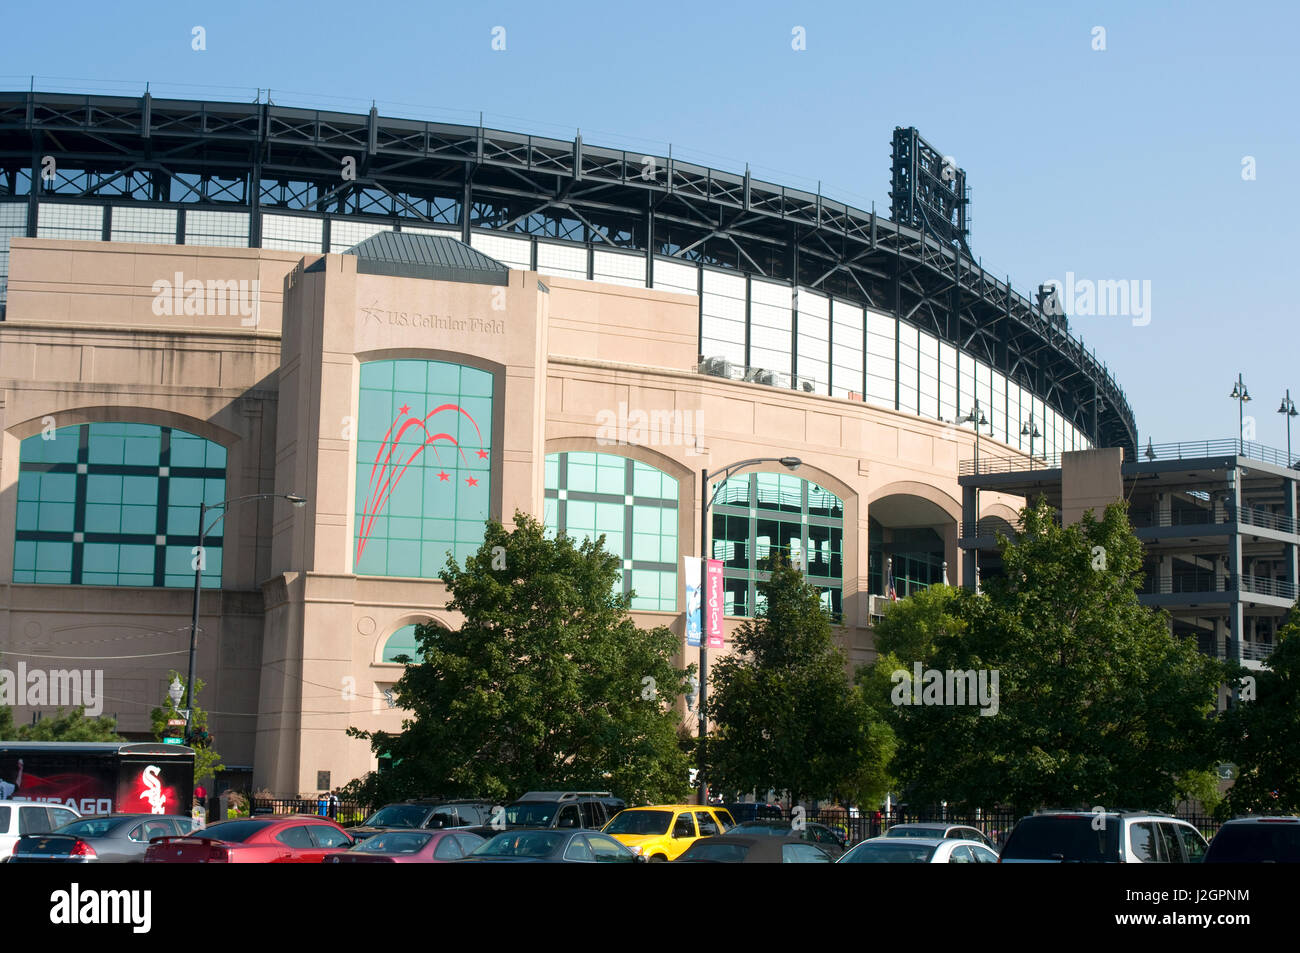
207,762
1261,733
547,683
1096,703
785,715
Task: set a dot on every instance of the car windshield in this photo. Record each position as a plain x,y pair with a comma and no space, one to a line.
710,850
91,827
521,844
914,832
640,823
233,832
766,829
878,852
530,814
393,843
1077,839
398,815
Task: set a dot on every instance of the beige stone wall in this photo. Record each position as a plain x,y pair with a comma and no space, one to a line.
291,646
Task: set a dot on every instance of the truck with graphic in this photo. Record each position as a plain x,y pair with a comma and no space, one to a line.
99,777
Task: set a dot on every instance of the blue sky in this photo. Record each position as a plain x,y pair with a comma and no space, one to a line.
1115,164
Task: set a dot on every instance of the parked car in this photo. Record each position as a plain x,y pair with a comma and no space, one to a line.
274,839
1095,837
919,850
663,831
585,810
828,838
1256,840
756,811
106,838
423,814
940,829
29,817
409,847
754,849
549,846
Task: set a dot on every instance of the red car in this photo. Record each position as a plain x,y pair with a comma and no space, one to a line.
281,839
409,847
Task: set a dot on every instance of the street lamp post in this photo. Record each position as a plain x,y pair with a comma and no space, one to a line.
1240,395
1288,408
976,417
1030,430
199,563
790,463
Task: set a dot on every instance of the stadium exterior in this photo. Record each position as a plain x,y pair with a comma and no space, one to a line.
205,300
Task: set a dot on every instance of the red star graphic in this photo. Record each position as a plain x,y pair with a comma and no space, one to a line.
443,476
406,409
482,454
471,481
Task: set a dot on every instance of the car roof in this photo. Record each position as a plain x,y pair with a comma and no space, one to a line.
675,807
561,795
21,803
1264,819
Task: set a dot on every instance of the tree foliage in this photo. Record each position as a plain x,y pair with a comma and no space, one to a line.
785,715
1097,704
1261,735
547,684
207,762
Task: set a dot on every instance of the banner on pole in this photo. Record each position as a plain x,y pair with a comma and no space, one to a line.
692,600
713,602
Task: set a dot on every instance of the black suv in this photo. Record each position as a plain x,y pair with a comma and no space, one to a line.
1256,840
424,814
581,810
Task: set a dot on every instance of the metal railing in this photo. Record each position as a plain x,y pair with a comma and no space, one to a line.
1266,520
1149,519
1008,465
1196,449
1209,581
1256,651
1264,586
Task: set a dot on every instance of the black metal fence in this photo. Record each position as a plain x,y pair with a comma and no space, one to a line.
345,812
995,825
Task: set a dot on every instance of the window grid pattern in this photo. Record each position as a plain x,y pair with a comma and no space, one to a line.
757,515
219,229
619,269
881,360
512,252
846,350
292,233
152,226
813,345
674,276
723,317
771,318
563,261
13,224
106,504
424,445
84,223
633,505
427,230
344,233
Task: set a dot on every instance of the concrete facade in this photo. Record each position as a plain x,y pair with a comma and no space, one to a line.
291,645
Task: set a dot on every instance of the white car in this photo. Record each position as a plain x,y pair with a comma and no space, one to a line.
919,850
29,817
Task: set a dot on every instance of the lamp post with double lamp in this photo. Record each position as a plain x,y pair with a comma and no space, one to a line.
976,417
200,561
1288,408
1030,430
1240,395
706,501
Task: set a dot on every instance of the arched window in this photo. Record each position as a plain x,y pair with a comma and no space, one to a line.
633,504
757,514
424,466
112,504
402,642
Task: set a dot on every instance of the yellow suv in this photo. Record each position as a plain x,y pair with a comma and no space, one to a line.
662,831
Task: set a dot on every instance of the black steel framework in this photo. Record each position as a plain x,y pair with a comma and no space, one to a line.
254,156
927,190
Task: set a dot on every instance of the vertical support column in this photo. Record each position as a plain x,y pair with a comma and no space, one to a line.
1236,616
969,517
1291,550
